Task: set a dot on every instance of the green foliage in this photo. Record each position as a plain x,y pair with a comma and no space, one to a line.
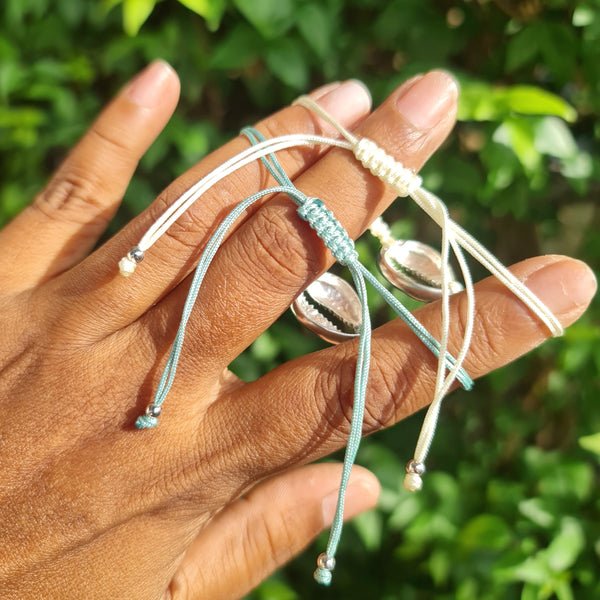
509,509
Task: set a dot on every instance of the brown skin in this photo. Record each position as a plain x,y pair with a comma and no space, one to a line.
90,507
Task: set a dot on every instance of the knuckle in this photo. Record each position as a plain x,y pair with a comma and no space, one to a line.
69,197
274,244
279,124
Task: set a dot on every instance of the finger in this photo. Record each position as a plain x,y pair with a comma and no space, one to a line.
119,301
274,254
260,532
308,401
66,219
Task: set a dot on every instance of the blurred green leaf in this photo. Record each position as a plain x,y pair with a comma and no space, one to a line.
485,532
211,10
481,102
529,100
272,18
566,547
316,27
135,13
240,48
287,62
591,443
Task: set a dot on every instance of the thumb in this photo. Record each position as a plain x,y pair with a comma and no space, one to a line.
257,534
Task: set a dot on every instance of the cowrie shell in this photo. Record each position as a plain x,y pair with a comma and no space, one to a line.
416,269
330,308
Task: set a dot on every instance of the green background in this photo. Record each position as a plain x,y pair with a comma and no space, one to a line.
510,507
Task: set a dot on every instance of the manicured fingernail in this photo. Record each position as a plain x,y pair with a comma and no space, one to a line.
348,101
428,100
564,286
145,89
361,495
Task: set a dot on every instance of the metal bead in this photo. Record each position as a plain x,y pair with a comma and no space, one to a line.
152,410
326,562
136,254
415,467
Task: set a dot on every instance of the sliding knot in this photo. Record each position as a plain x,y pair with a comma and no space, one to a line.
403,181
329,229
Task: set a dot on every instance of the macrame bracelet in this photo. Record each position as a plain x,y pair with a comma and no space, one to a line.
327,227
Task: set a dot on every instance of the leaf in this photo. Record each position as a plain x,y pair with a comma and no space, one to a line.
135,13
565,548
315,25
531,100
481,102
286,61
591,443
485,531
579,166
518,134
239,49
272,18
536,510
553,137
211,10
522,48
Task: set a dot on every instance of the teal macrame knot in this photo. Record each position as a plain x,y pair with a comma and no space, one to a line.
146,422
329,229
323,576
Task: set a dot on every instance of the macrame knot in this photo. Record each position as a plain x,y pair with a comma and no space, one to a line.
146,422
323,576
329,229
386,167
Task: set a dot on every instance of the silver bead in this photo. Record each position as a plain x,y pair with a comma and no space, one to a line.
415,467
326,562
136,255
153,410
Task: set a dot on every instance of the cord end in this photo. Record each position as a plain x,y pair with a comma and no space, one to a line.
129,262
150,418
325,565
412,480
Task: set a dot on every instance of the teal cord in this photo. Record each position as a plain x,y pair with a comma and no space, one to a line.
335,237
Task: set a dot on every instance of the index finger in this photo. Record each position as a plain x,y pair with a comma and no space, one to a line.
116,301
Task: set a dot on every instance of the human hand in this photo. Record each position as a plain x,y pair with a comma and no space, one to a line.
91,507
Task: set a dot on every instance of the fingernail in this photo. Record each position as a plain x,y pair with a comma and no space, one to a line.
563,286
324,89
145,89
348,101
428,100
361,495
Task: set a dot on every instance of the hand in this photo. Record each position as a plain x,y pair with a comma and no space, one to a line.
92,508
